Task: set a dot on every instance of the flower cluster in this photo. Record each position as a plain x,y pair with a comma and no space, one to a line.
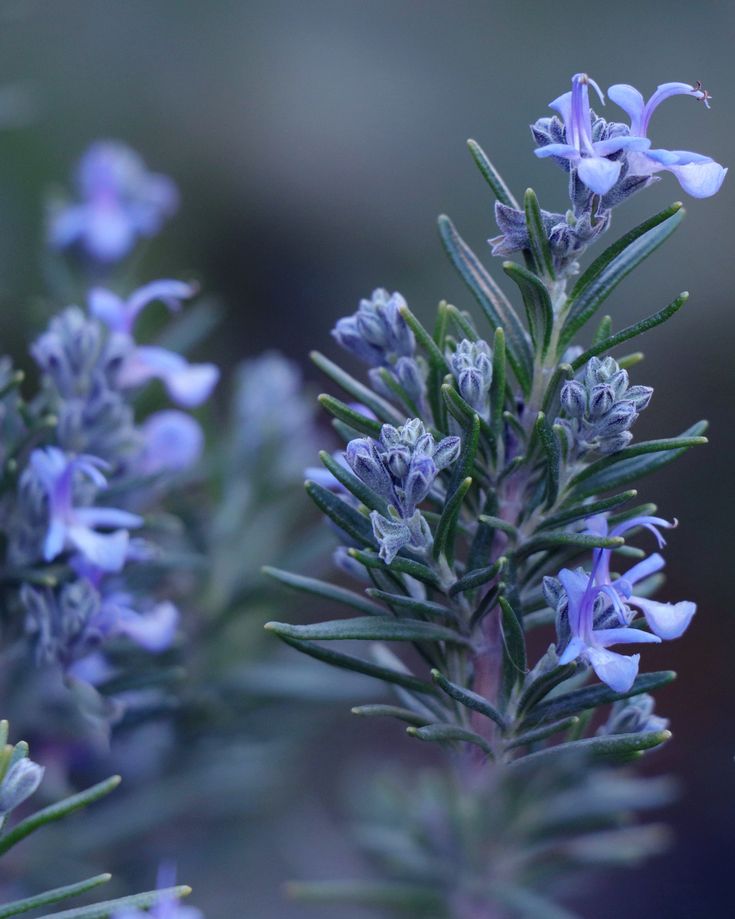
378,335
118,202
607,162
401,468
472,367
600,407
80,560
595,611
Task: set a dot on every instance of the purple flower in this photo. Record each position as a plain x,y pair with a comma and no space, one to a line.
118,202
598,614
187,384
71,526
119,314
172,442
19,783
699,176
153,629
590,158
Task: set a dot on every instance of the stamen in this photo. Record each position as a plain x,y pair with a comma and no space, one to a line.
701,93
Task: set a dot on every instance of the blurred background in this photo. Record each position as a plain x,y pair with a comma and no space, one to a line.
314,144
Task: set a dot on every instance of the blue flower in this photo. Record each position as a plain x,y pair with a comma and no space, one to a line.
699,176
74,526
594,610
187,384
172,442
590,158
472,365
119,314
119,201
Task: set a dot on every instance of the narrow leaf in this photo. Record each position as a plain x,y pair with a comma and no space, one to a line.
492,176
52,896
589,509
554,538
387,711
540,248
591,697
444,537
368,628
399,564
449,733
552,455
527,738
537,302
468,698
112,907
57,811
324,589
477,577
493,301
349,416
350,521
419,607
617,748
350,481
514,646
359,392
603,276
358,665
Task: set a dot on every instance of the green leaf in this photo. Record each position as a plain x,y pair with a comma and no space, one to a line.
409,897
358,665
540,687
633,468
449,733
436,359
402,397
468,698
537,302
540,248
617,748
57,811
463,412
52,896
493,301
607,271
419,607
399,565
591,697
350,481
552,454
632,331
514,647
554,538
445,531
604,330
492,176
497,387
359,392
676,445
350,521
110,907
463,322
389,711
477,577
589,509
368,628
349,416
324,589
526,738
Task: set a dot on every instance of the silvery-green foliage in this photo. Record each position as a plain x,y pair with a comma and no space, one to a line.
525,525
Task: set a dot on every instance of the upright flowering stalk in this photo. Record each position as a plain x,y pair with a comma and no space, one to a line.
481,466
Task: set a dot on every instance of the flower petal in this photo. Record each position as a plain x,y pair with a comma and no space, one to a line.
631,102
104,550
700,180
617,670
565,151
668,620
624,636
598,173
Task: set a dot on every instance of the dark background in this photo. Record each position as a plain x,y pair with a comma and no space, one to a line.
314,144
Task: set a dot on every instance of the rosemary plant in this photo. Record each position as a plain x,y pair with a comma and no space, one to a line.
487,517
